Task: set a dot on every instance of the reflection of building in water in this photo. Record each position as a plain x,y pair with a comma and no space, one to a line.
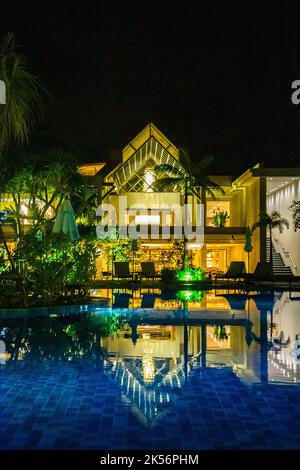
152,369
284,362
154,356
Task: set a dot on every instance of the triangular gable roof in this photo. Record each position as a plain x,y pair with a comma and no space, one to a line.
149,131
151,400
130,175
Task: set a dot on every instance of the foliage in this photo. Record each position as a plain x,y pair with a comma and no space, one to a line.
3,263
221,333
190,295
271,221
116,248
191,178
24,103
295,209
191,274
37,191
172,258
85,203
58,337
168,275
185,275
48,264
220,218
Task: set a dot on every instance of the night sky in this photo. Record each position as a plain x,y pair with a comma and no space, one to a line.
215,78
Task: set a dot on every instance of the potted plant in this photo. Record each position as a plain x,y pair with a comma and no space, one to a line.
221,333
220,218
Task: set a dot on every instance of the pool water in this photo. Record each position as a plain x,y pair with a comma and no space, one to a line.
220,374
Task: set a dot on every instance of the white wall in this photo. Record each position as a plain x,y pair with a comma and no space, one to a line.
280,201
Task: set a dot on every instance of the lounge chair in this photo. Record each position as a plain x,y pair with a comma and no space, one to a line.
148,300
148,270
235,271
121,300
121,270
262,272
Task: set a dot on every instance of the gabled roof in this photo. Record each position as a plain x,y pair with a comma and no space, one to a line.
140,158
138,173
149,131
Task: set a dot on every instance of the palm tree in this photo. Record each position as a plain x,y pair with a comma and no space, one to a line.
24,92
39,190
193,181
270,222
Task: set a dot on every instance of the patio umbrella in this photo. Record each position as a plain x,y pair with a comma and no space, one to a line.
248,238
65,221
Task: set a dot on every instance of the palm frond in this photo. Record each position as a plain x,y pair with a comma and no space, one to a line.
168,182
24,103
169,169
202,165
185,159
255,226
283,223
275,215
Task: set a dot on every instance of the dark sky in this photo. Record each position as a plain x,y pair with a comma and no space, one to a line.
215,77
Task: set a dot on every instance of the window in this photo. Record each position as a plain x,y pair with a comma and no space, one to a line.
147,219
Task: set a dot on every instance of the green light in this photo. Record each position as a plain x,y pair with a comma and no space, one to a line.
191,274
190,295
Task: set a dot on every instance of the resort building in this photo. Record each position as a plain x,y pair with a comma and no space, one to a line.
147,197
138,177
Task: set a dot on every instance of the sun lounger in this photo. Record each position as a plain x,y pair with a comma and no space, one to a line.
148,300
262,272
148,270
121,270
235,271
121,300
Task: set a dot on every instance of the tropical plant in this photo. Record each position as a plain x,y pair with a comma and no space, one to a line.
85,204
269,222
63,337
116,248
295,209
221,333
24,95
168,275
191,180
47,264
191,274
190,295
220,218
37,192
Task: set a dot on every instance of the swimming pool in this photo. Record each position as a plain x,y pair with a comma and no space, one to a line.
221,372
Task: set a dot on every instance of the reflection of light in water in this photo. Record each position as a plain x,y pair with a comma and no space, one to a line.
285,364
148,368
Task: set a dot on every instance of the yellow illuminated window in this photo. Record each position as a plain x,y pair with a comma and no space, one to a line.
147,219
